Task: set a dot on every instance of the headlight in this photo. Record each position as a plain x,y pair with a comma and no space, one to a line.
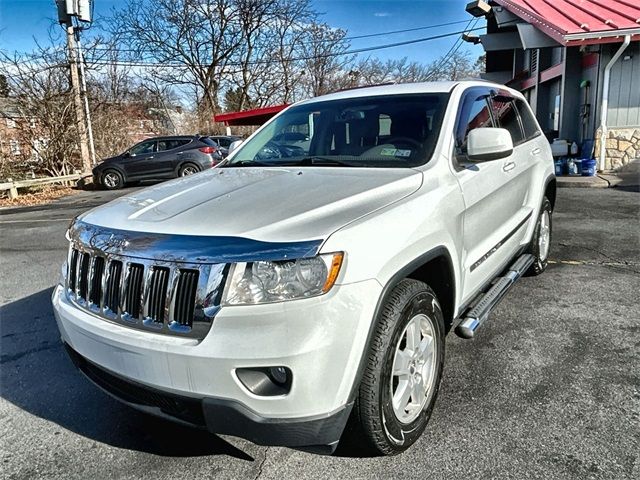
267,282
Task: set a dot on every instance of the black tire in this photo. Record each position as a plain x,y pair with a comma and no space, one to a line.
111,179
373,418
541,259
188,169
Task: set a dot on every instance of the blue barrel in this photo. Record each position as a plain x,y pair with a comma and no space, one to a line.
588,167
559,165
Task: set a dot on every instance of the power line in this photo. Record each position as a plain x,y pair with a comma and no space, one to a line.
355,37
312,57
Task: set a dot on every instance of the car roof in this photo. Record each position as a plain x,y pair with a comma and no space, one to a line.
174,137
404,89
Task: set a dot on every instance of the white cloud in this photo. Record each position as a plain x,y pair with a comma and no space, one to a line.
382,14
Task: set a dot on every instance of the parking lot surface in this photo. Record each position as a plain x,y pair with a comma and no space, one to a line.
550,388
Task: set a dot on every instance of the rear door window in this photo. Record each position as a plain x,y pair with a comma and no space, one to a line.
170,144
529,123
506,115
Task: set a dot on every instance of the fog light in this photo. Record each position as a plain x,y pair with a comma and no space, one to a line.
266,381
279,375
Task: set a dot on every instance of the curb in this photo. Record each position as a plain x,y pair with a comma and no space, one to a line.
583,182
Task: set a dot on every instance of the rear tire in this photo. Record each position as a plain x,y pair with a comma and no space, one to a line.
402,372
541,242
188,169
111,179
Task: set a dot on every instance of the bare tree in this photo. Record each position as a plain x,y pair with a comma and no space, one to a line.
41,96
325,63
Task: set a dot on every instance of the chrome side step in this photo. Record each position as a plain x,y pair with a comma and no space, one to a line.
475,317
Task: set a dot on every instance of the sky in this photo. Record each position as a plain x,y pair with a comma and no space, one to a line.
22,22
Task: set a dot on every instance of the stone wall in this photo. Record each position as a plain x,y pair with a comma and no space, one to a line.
622,147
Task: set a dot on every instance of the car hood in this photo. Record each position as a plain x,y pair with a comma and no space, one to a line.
267,204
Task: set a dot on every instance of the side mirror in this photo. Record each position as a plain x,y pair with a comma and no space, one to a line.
126,154
234,145
488,143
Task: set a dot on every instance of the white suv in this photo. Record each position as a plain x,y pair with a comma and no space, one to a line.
297,287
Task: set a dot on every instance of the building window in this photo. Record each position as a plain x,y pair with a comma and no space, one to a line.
14,146
11,123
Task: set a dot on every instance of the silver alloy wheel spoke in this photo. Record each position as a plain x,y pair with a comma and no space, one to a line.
413,370
401,363
544,235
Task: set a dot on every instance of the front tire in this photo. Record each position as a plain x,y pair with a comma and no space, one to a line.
112,180
403,370
541,241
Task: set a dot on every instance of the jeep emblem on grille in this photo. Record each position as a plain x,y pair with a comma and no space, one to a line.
108,242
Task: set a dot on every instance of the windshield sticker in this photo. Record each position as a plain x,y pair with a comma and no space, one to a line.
403,153
388,152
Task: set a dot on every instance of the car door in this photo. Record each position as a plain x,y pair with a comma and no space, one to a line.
520,167
138,162
492,202
168,156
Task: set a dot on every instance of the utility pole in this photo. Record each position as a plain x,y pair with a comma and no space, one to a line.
80,112
87,112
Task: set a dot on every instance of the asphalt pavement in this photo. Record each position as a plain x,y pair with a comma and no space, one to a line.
549,389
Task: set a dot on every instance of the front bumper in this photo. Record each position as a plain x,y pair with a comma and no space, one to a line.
321,340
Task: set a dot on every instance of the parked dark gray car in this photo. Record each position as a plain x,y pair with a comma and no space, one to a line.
158,158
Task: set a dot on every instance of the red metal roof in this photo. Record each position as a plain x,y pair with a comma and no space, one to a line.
257,116
580,22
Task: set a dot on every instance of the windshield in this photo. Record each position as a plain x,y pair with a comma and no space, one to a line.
386,131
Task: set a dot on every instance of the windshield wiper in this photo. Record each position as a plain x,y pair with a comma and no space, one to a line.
245,163
322,161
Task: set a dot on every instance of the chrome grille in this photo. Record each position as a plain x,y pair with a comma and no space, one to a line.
174,298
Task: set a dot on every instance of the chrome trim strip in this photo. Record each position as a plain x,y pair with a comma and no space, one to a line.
185,248
482,259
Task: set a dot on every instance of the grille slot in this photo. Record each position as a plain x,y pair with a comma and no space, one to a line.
96,281
133,290
73,266
83,280
112,293
185,297
156,302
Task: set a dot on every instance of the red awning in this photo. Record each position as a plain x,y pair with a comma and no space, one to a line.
257,116
580,22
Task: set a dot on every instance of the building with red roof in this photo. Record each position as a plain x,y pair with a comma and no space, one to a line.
578,64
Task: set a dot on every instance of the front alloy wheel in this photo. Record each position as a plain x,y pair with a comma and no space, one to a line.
112,180
414,369
402,373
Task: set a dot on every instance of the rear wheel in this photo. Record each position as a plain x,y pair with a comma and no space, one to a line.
188,169
112,180
541,241
403,371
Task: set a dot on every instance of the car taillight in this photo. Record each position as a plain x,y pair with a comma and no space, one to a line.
208,149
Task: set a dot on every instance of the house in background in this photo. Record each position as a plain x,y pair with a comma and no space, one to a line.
578,64
13,122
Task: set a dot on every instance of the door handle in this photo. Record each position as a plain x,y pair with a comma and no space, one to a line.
536,151
507,167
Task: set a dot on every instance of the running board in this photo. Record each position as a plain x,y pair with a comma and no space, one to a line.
488,301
